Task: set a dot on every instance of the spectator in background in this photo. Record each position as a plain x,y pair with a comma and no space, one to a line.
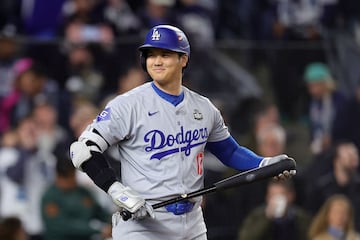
346,126
236,19
25,176
41,19
32,87
9,101
9,49
11,228
52,137
297,20
343,179
9,54
69,211
83,113
84,23
156,12
84,80
271,138
334,220
253,113
9,139
324,106
8,156
197,20
268,116
124,21
279,218
134,77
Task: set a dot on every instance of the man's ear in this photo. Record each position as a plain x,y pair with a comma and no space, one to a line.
184,60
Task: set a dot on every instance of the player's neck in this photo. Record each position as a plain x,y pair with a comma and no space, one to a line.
173,88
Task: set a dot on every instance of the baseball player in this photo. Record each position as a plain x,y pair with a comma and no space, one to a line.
161,129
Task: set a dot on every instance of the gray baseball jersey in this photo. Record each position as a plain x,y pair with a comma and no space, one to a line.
161,145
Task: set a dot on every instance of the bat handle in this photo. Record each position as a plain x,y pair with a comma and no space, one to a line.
125,214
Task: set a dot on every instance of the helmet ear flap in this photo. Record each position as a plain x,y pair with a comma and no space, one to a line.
143,60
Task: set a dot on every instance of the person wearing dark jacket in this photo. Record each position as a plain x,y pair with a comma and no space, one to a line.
324,105
346,126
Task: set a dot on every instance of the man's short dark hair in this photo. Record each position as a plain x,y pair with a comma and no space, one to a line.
64,167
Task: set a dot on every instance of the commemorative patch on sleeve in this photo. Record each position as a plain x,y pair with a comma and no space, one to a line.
104,115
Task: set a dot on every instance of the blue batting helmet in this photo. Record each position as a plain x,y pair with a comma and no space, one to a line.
165,37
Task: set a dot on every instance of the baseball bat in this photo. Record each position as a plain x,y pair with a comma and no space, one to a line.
236,180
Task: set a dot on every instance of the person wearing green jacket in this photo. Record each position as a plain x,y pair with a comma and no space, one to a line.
69,211
279,218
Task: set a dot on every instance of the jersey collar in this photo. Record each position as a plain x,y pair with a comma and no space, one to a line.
173,99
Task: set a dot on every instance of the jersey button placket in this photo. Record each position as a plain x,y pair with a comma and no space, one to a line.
182,158
182,174
178,154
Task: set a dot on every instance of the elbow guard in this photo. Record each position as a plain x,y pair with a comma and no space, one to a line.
80,153
90,160
89,141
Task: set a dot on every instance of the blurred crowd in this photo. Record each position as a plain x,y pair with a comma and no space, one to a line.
61,60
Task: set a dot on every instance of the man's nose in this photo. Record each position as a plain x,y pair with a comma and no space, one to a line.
158,60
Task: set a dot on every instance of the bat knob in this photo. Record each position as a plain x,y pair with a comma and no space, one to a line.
126,215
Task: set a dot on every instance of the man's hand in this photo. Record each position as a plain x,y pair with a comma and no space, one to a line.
270,160
126,198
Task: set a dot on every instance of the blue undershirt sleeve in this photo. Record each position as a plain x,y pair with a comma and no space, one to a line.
233,155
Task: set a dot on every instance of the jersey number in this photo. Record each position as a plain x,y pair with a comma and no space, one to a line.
199,163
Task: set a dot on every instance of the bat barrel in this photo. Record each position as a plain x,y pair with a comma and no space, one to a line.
257,174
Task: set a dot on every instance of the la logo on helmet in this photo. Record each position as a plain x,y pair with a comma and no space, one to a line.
156,35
